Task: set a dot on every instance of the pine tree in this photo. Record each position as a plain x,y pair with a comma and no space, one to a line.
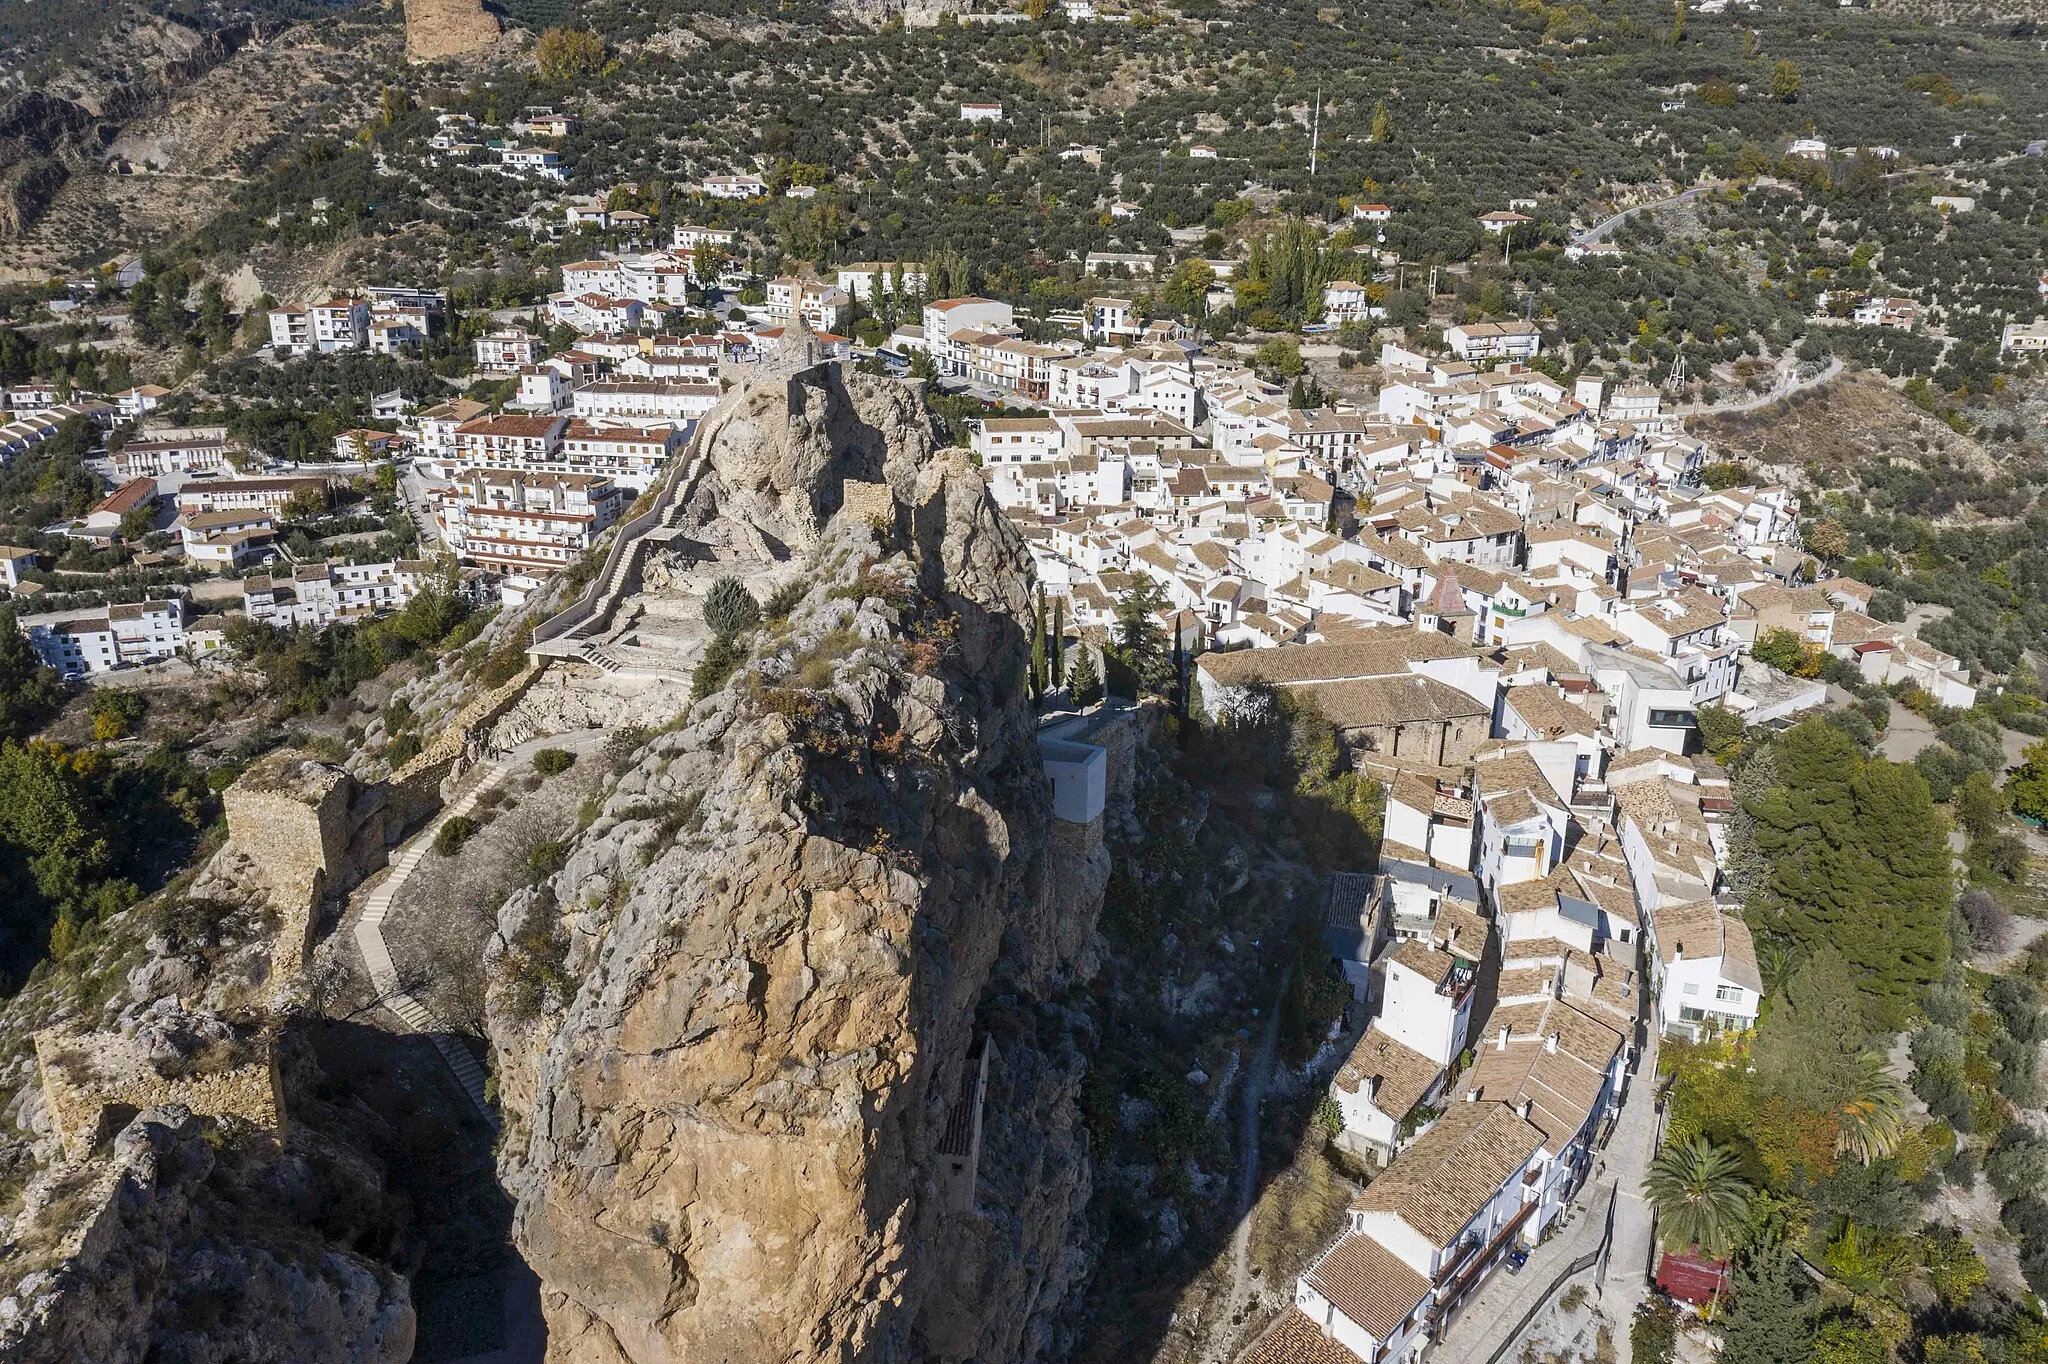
1382,122
1768,1319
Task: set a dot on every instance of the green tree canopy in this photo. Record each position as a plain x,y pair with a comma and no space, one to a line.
1858,861
1769,1319
30,693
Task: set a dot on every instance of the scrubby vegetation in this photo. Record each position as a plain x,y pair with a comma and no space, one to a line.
83,835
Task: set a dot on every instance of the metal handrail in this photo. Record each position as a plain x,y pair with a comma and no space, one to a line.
629,535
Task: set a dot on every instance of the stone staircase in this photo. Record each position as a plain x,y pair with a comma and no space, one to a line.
598,656
384,972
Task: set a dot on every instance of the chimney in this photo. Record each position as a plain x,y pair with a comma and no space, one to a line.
1522,1110
1550,1043
1472,1095
1502,1043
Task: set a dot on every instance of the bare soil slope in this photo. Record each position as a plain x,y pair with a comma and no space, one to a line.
177,163
1828,431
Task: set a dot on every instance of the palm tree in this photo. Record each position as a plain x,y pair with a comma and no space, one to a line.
1774,962
1699,1196
1872,1118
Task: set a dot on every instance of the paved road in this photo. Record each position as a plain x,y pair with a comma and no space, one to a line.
1600,231
1489,1323
412,491
1624,1284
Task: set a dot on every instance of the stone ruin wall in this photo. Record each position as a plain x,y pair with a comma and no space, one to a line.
295,841
79,1100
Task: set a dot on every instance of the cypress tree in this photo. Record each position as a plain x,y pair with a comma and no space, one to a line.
1748,871
1805,828
1087,682
1903,939
1038,646
1059,641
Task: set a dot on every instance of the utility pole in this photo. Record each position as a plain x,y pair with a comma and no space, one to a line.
1315,132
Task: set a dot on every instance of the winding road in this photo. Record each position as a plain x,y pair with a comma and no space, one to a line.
1599,231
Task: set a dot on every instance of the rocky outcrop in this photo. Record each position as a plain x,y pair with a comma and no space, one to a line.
159,1204
447,28
734,1033
162,1268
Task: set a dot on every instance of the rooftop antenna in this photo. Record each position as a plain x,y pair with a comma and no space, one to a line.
1315,131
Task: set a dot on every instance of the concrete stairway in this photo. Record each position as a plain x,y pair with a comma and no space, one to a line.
384,972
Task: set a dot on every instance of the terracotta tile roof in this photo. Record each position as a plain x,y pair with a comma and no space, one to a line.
1548,713
1348,576
1698,929
1400,1076
1369,1284
1512,769
527,428
1535,949
1295,1339
1377,651
1370,702
1443,1181
1560,1081
1526,982
139,492
1459,928
1432,965
1510,809
1541,655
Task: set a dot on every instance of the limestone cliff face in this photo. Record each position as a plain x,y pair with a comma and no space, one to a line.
162,1269
734,1033
447,28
